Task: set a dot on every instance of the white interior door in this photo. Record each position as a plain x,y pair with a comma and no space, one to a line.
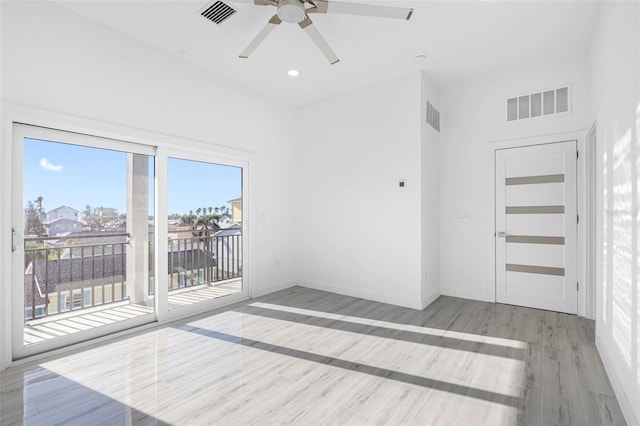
536,226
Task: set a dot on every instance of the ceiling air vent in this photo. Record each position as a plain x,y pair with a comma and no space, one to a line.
539,104
218,12
433,116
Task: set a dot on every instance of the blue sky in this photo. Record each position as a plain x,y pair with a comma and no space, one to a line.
76,176
192,184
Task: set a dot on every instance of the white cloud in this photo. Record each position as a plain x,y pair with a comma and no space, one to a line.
46,165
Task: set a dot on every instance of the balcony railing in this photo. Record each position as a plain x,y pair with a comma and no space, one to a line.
79,272
195,261
66,277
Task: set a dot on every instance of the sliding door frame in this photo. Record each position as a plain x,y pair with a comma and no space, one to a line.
182,153
21,132
166,146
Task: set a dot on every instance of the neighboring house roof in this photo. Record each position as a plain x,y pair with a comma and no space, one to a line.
235,229
227,224
60,219
235,199
202,227
63,207
76,273
66,274
60,239
208,230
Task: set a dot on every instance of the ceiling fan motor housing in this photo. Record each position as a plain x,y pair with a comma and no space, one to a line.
292,11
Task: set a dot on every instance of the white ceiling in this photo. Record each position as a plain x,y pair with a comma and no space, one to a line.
462,40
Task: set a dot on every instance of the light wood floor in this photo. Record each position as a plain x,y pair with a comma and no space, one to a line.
308,357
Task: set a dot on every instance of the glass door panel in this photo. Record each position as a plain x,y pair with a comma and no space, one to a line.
87,260
205,238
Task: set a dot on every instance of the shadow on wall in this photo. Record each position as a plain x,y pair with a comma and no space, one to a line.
621,261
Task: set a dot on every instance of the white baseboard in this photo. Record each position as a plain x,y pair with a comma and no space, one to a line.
376,297
465,294
262,291
429,300
630,416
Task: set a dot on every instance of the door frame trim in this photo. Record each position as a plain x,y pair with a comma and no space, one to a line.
593,190
491,148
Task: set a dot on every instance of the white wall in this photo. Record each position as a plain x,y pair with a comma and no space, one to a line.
615,89
430,205
56,61
359,233
472,116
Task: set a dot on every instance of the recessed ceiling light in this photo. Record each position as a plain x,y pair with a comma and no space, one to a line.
293,73
420,57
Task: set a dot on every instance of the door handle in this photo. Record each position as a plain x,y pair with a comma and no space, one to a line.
503,234
16,241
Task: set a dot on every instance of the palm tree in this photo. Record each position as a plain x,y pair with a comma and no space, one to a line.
198,210
39,204
208,225
210,209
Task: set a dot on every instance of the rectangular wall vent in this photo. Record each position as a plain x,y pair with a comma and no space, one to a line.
539,104
218,12
433,116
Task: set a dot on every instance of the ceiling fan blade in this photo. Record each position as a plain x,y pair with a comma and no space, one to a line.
319,41
271,25
327,6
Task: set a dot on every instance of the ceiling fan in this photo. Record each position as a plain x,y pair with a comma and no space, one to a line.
297,12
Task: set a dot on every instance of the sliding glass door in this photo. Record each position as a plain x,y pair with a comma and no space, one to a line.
110,235
205,238
84,208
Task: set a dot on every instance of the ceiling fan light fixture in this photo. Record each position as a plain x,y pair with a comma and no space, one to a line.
296,12
292,11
